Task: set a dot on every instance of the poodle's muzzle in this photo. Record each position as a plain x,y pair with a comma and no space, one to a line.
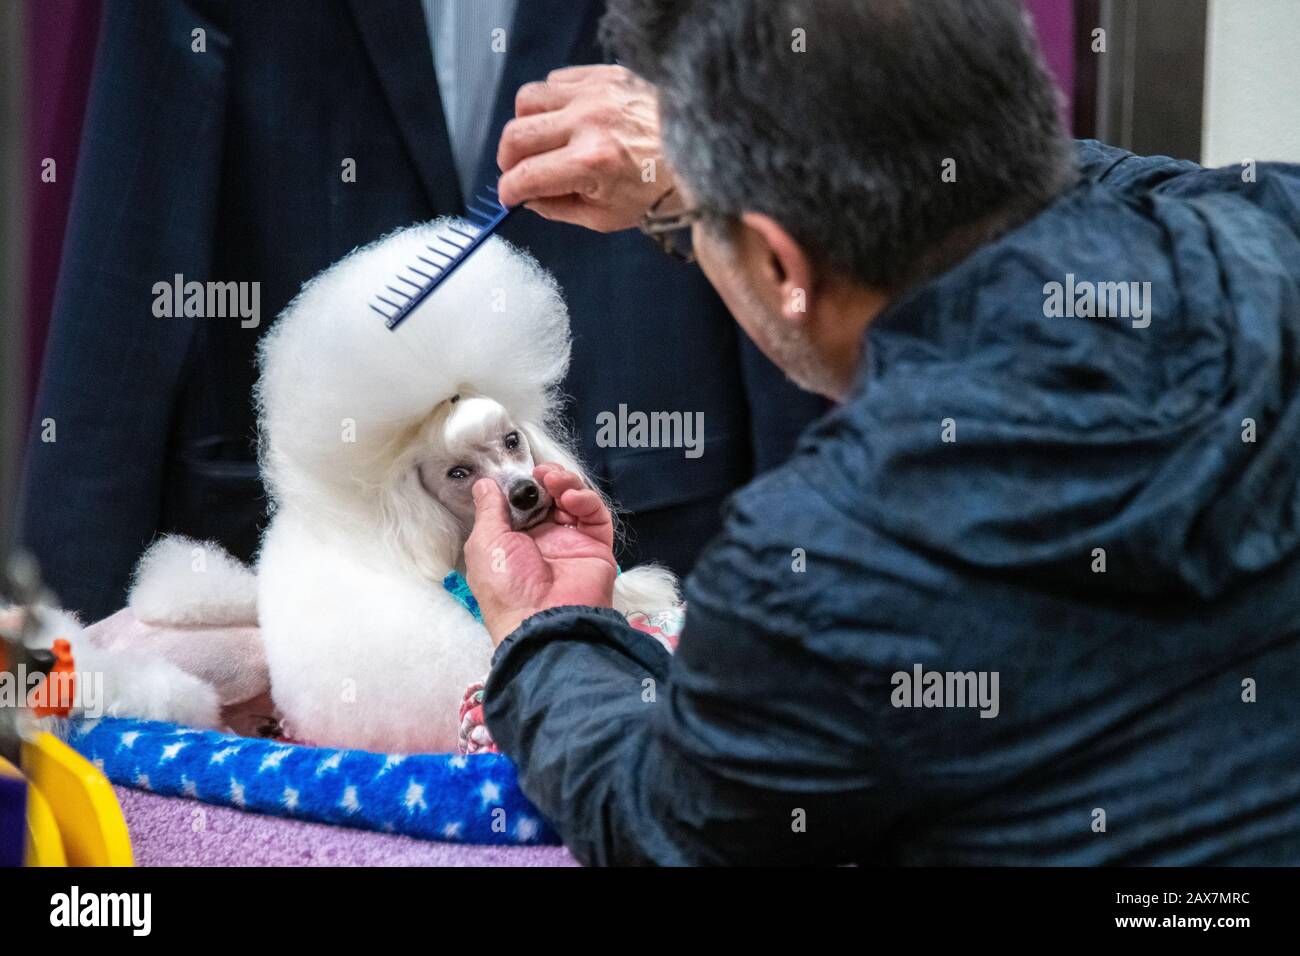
529,503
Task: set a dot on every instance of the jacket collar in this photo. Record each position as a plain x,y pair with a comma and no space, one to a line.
542,37
397,42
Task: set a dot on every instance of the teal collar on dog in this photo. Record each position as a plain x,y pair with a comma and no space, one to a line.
456,585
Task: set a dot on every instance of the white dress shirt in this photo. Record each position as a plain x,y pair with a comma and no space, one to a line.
470,39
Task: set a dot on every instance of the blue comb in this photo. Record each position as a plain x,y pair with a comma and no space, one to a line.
404,293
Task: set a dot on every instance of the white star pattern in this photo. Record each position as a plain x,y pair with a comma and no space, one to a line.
170,751
526,831
415,796
274,759
220,756
391,761
330,763
349,801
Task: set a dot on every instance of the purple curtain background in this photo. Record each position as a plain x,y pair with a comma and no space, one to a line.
61,38
61,46
1054,20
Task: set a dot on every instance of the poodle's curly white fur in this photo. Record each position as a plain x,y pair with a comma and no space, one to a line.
364,646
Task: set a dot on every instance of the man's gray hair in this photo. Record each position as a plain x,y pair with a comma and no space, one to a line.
840,118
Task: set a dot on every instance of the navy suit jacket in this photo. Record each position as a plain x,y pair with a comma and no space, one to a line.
226,165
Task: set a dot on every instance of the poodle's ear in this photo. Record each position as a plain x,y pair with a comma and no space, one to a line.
419,530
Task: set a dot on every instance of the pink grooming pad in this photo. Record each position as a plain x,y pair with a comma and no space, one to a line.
231,659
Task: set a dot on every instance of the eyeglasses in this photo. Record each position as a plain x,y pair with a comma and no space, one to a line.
671,231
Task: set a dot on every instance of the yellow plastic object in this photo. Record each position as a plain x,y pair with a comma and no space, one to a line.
81,800
44,845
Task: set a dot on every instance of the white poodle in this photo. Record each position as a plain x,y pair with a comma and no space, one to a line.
370,442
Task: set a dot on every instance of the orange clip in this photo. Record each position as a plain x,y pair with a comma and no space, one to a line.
53,697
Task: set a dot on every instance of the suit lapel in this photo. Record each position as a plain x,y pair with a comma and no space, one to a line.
397,41
542,38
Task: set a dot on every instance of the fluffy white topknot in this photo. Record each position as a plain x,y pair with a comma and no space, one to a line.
338,390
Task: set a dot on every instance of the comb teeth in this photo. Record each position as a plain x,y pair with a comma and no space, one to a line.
440,259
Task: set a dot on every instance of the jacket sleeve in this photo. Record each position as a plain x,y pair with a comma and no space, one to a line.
719,754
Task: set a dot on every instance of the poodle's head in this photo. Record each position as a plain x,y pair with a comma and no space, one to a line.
472,437
426,501
365,429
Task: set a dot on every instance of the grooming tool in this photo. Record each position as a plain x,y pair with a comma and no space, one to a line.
400,297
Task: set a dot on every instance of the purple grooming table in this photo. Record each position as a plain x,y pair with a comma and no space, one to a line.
169,831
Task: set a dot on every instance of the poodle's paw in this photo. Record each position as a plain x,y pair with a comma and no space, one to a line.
183,581
130,684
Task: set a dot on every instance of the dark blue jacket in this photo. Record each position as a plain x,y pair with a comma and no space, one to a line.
226,165
1148,712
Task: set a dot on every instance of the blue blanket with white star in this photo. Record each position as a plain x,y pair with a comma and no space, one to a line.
473,799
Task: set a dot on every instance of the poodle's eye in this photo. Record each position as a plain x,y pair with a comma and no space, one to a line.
459,473
512,441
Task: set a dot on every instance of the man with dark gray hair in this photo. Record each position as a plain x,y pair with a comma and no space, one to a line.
1088,521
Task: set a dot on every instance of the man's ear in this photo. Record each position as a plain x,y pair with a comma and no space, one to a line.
781,263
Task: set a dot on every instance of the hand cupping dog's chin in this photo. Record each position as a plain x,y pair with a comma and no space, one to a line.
560,572
557,562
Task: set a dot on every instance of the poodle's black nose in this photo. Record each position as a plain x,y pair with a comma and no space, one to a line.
523,494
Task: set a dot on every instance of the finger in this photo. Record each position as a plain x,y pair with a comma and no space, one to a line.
581,74
560,172
542,97
559,480
491,513
528,135
578,212
591,515
585,505
541,471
